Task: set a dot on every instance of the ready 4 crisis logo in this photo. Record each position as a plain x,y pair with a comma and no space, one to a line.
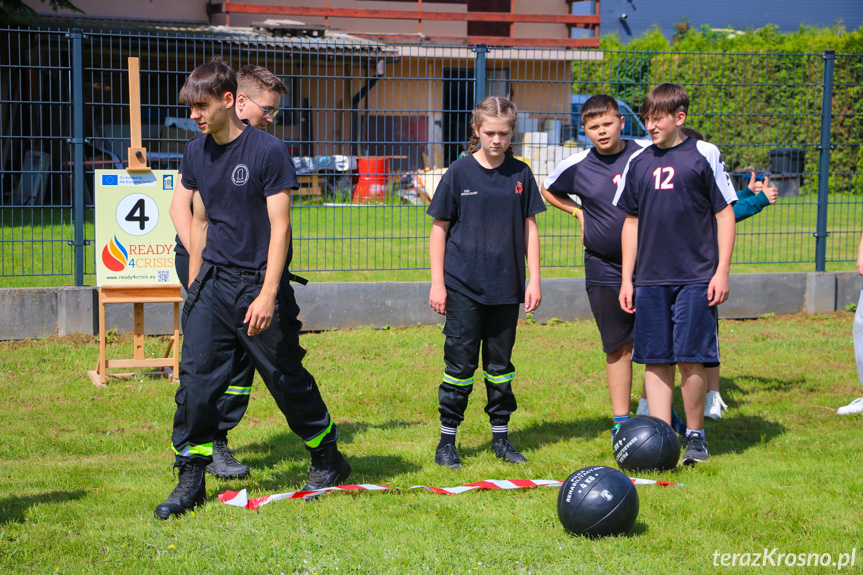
115,256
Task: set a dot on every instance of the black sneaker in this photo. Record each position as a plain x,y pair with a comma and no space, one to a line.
225,465
447,456
503,449
190,491
329,468
696,449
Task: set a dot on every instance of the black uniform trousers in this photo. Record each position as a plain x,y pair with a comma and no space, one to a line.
469,326
233,404
214,334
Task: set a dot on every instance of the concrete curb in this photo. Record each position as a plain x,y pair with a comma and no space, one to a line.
39,312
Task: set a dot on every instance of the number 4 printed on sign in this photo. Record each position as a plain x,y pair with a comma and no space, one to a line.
137,214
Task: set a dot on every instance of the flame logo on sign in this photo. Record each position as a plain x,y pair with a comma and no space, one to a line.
114,255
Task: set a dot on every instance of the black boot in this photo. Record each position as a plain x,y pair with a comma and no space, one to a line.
503,449
190,491
329,468
225,465
447,456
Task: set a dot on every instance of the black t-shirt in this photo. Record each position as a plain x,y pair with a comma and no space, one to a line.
487,209
675,193
180,249
592,177
234,181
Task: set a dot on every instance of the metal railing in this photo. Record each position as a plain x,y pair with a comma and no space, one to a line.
372,128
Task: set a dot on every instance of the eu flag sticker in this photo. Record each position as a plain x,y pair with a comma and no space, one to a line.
168,182
109,179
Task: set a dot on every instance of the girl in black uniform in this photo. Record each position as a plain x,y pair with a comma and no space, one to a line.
484,226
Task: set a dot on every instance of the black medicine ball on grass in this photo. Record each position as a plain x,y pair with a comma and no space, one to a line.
646,443
597,501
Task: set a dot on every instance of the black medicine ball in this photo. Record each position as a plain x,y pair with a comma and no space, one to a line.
597,501
646,442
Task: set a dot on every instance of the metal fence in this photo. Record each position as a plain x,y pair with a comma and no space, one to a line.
372,127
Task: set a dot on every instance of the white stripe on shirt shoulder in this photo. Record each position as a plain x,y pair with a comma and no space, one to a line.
622,183
562,167
720,174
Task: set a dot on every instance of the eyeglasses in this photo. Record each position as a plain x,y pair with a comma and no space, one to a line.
268,112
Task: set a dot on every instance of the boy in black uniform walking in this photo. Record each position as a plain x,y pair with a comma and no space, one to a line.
259,93
240,180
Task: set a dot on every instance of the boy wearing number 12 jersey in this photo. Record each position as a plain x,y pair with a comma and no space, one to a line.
677,241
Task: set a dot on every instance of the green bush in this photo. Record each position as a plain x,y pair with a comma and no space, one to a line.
750,91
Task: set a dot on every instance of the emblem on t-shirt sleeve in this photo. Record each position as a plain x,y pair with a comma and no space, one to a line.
240,175
518,187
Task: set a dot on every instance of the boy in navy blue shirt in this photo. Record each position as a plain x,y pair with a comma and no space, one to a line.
240,178
750,201
677,241
592,176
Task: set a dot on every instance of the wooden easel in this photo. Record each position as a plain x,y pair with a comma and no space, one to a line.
137,152
138,295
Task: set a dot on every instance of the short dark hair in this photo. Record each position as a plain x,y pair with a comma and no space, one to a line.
259,79
597,106
691,133
665,99
210,80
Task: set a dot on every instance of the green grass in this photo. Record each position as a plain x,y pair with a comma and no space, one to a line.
82,468
390,242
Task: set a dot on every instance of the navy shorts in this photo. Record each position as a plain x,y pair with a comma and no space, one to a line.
615,325
675,324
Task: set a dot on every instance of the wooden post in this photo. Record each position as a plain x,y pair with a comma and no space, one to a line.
137,153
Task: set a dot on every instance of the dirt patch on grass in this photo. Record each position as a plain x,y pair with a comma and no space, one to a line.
79,339
74,339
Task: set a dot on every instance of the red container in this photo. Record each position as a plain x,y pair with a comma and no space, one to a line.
373,175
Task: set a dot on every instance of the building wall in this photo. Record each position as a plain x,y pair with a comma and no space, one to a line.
411,88
183,11
318,117
195,11
641,15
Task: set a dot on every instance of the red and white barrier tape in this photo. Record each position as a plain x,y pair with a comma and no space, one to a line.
241,498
